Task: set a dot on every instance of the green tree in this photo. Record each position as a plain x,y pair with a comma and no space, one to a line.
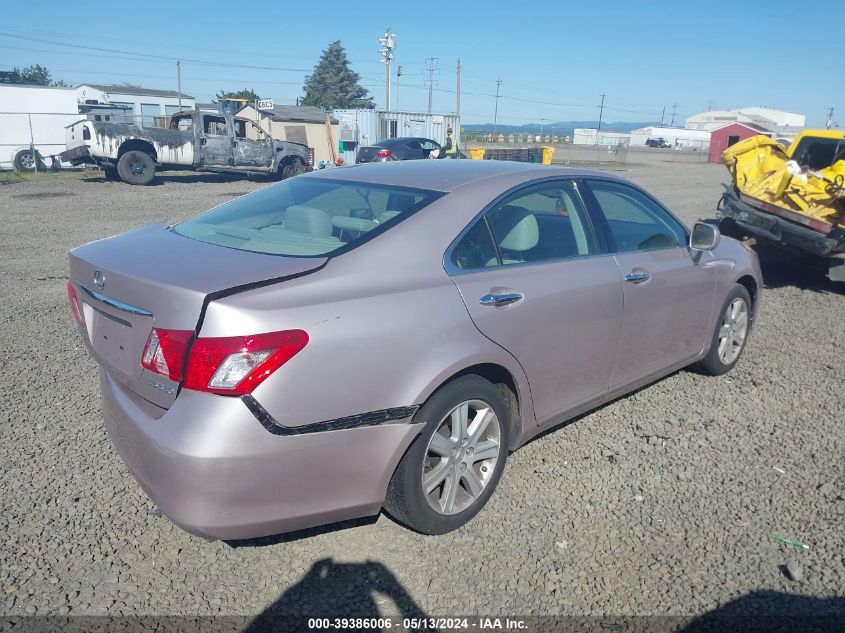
246,93
35,75
333,84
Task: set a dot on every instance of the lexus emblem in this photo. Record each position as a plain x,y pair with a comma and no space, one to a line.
99,279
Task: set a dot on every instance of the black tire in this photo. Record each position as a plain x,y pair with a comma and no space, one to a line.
406,501
25,160
292,168
712,364
136,168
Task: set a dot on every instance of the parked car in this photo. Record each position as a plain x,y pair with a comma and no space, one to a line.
403,148
197,140
384,336
657,142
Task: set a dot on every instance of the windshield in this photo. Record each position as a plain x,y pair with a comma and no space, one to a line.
306,217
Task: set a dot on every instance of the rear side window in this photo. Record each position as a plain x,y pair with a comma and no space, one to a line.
544,222
306,217
476,249
635,221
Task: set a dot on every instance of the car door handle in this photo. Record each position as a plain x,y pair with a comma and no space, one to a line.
500,300
637,277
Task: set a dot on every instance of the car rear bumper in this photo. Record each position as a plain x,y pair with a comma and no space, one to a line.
780,230
214,470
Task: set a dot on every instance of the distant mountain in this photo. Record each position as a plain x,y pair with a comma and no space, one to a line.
561,128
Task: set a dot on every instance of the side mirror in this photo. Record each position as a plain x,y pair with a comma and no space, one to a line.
704,237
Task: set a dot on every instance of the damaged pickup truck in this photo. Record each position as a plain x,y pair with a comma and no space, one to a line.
196,140
792,198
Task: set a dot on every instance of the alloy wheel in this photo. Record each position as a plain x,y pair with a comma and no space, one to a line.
461,457
733,331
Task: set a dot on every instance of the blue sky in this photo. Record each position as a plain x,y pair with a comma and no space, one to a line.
555,59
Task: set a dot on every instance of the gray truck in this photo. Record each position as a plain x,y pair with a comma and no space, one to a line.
195,140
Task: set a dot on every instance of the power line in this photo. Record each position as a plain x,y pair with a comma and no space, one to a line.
151,56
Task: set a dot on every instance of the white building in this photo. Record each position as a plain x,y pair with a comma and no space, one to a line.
677,137
147,103
764,117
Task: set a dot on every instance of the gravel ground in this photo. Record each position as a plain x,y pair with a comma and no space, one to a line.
663,502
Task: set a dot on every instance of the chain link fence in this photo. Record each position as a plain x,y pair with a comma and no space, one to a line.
609,151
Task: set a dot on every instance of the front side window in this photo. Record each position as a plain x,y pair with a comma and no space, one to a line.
306,217
635,221
544,222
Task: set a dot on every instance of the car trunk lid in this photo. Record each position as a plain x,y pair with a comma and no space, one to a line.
153,277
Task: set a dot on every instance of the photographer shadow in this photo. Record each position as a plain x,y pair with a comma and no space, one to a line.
337,590
768,611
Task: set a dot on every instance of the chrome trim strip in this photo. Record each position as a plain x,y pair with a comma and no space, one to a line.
373,418
114,303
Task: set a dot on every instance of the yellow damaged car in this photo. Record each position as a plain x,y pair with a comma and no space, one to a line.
792,197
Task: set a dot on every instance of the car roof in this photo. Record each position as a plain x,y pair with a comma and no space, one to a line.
447,175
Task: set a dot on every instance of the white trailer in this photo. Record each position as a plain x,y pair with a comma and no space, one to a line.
34,117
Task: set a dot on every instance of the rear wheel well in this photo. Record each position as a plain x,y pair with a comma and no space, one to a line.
137,145
506,384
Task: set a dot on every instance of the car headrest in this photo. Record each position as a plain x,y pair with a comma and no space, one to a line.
515,228
309,220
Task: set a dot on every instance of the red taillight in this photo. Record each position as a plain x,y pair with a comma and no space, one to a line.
384,153
235,365
165,350
74,303
819,225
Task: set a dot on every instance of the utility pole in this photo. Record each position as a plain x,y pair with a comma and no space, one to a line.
601,110
179,81
674,107
496,111
457,131
709,105
388,43
662,116
458,90
399,72
829,118
430,61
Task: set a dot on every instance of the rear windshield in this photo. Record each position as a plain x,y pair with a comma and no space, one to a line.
306,217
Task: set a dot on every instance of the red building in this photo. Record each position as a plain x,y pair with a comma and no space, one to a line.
722,138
